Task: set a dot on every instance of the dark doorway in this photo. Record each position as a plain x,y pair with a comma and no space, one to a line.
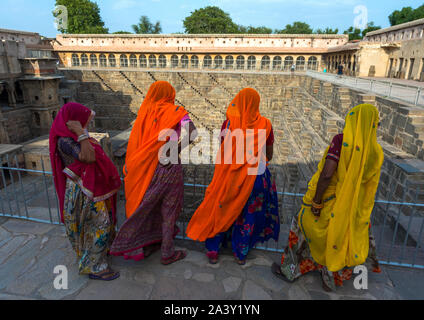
19,93
4,97
389,75
411,68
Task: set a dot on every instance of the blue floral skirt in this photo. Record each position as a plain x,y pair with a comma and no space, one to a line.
259,221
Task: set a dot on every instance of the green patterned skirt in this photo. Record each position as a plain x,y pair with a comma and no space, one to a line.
90,229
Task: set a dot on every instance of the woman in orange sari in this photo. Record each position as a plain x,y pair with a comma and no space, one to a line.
154,191
241,202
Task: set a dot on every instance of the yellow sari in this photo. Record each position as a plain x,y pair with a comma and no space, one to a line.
340,236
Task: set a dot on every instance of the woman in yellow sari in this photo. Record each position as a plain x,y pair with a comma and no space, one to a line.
331,232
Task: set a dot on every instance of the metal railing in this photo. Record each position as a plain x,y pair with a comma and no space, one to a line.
30,195
403,92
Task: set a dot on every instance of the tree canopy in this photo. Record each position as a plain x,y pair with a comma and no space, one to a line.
358,34
327,31
146,27
210,19
83,17
254,30
296,28
407,14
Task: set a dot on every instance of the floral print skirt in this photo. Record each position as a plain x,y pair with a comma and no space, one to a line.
154,221
258,222
297,261
89,227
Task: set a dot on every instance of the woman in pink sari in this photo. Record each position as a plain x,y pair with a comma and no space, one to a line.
86,182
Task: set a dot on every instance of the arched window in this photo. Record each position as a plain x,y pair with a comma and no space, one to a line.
103,60
93,60
313,63
84,60
251,63
162,61
265,63
143,61
207,62
195,62
184,61
229,62
288,62
133,61
112,60
300,63
75,60
218,62
174,61
240,62
276,63
152,61
123,60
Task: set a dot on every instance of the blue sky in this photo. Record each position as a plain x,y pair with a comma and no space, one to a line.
30,15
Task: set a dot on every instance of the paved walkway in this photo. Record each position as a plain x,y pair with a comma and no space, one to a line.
30,251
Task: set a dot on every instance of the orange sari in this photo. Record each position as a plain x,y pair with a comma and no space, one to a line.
232,183
157,113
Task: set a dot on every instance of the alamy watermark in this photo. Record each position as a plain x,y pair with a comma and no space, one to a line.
361,18
61,280
61,17
361,280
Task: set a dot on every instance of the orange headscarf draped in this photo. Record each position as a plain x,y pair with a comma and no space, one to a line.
158,112
232,183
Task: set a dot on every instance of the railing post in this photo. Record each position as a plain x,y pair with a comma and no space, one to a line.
371,85
417,98
390,89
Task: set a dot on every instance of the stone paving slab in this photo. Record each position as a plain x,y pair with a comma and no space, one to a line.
30,251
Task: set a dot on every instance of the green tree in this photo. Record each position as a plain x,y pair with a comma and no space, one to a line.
211,20
146,27
327,31
370,28
122,32
83,17
354,33
296,28
406,14
254,30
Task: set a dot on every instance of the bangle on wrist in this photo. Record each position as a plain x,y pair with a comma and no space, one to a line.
317,205
83,137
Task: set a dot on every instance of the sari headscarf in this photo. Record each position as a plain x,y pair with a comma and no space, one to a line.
157,116
99,180
340,236
232,183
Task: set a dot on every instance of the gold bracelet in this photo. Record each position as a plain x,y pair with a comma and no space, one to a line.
317,206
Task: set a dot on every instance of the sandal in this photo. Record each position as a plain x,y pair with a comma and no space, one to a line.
178,255
241,262
213,257
276,270
105,275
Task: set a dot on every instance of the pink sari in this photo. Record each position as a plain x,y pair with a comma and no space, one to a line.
98,181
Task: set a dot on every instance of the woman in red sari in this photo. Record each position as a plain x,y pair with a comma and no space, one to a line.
86,183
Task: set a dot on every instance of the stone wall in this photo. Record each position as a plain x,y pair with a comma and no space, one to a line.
401,135
18,125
